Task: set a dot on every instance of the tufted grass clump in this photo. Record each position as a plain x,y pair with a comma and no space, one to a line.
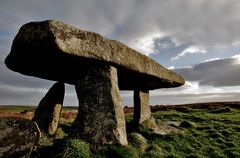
154,151
75,148
45,140
138,141
118,151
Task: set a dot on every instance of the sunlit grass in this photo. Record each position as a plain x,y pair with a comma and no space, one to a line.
205,132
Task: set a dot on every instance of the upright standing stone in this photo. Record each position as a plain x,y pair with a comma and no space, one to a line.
100,118
49,109
142,110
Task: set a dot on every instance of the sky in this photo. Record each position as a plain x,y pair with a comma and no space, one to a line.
198,39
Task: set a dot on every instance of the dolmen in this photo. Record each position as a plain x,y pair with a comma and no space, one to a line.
98,67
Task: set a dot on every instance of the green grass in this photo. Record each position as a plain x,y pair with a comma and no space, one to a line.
205,132
215,135
117,151
75,148
138,141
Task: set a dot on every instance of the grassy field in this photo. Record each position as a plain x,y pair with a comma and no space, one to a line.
208,132
196,132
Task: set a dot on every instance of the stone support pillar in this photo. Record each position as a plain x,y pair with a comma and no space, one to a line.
100,118
49,109
142,110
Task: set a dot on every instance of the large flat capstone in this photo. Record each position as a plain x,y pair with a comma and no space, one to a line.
57,51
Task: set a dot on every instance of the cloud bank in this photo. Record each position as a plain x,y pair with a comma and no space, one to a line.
174,33
211,80
200,22
189,50
217,72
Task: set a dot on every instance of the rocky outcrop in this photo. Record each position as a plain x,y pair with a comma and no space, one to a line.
49,109
100,118
18,136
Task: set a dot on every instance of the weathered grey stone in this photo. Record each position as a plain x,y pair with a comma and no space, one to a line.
57,51
99,67
100,118
17,136
49,109
142,110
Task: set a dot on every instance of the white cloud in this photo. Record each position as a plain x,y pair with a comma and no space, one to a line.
202,22
236,56
171,67
192,92
236,59
212,59
236,43
145,44
193,88
189,50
